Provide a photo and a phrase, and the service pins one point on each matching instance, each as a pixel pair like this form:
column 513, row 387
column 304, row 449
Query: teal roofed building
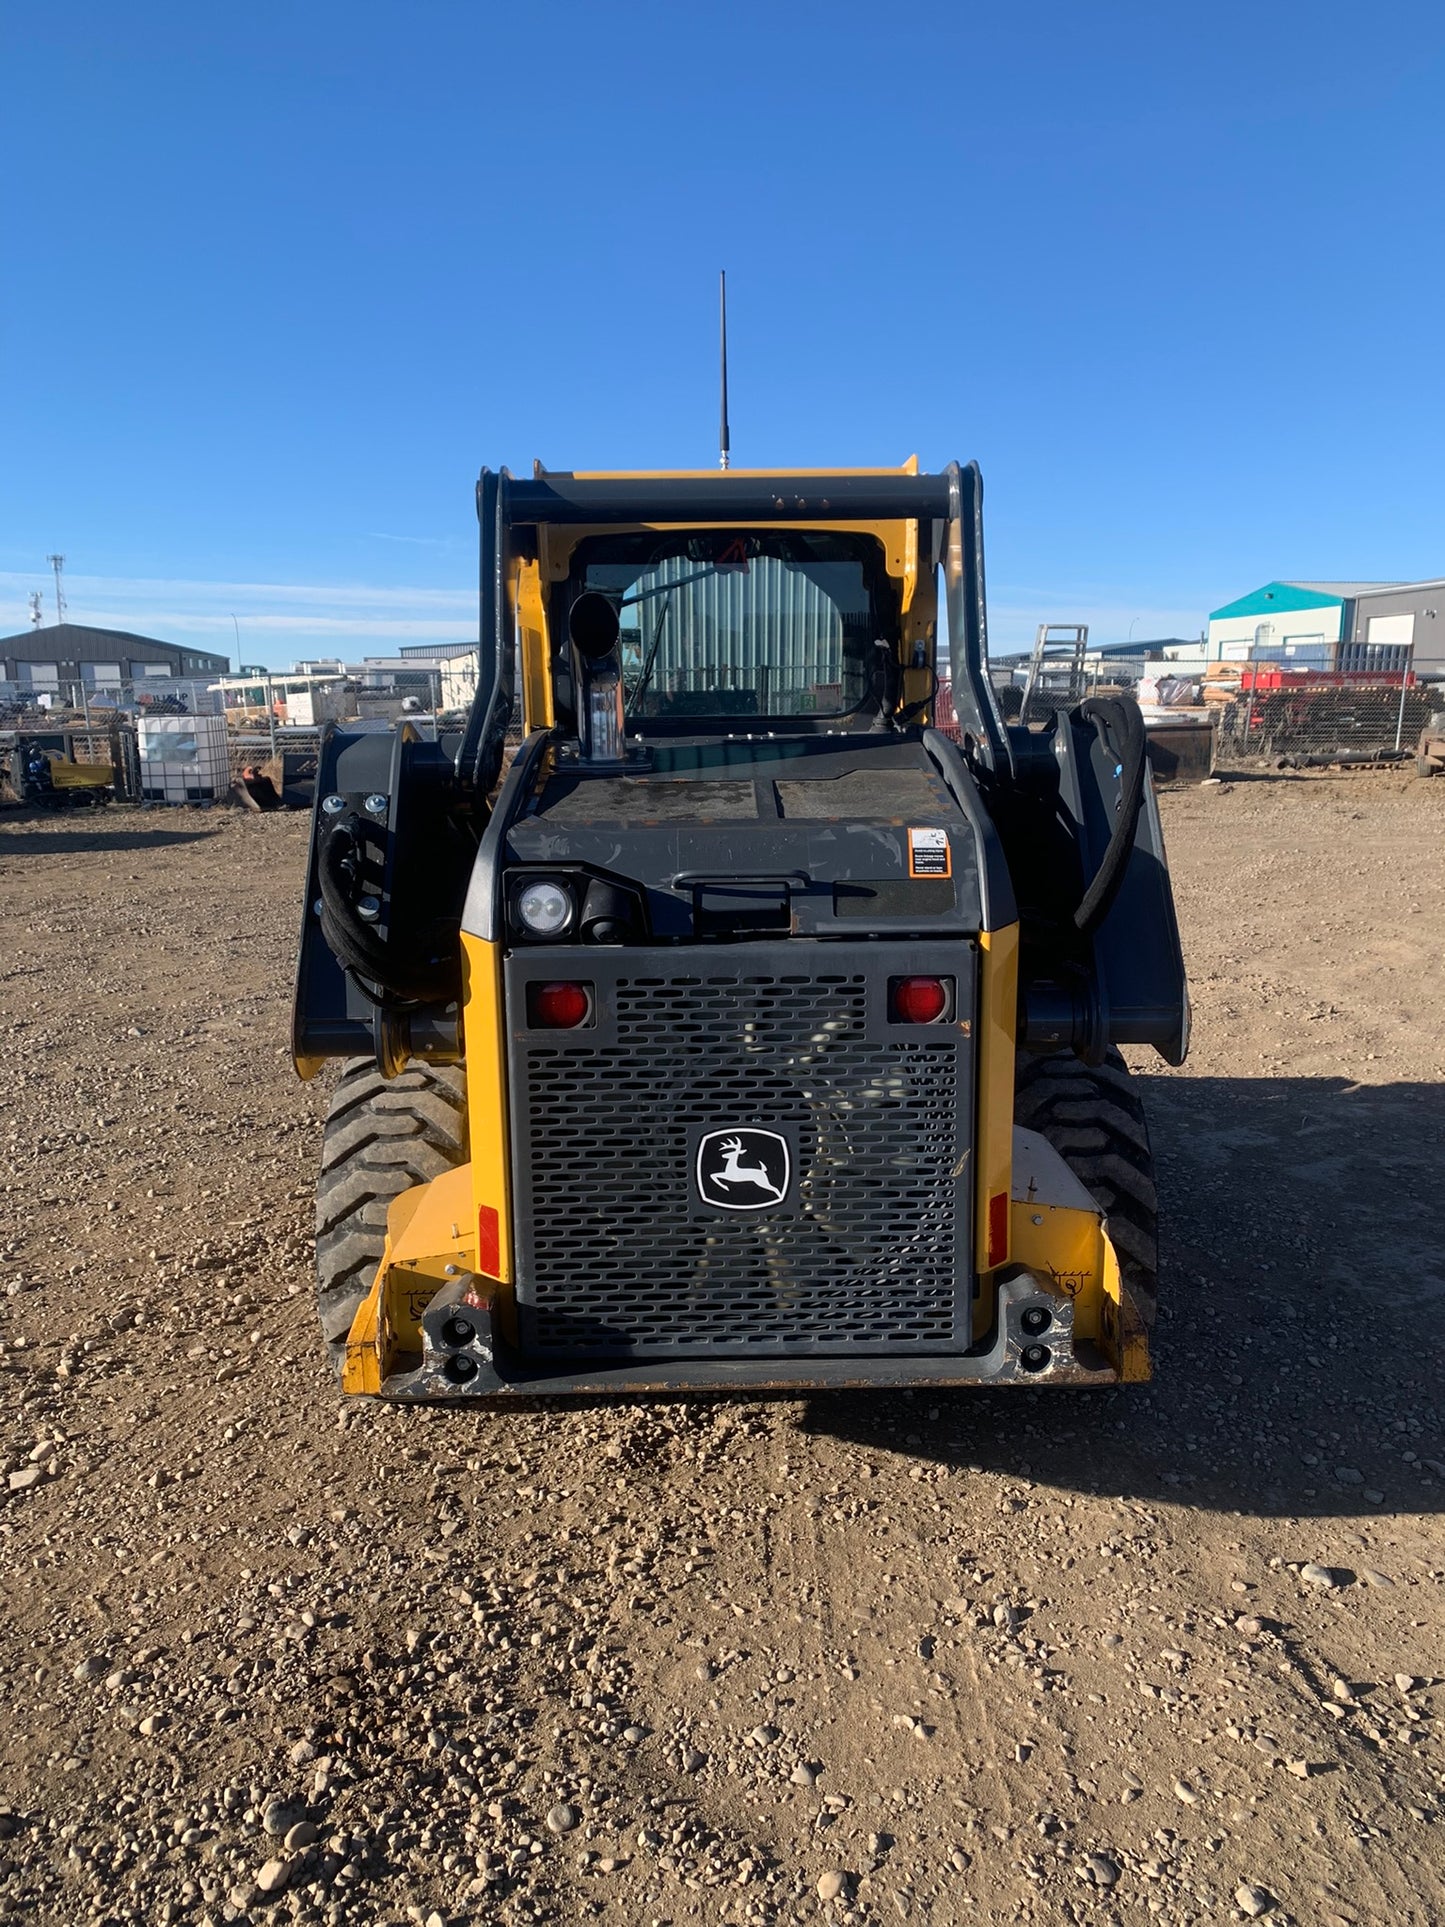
column 1333, row 625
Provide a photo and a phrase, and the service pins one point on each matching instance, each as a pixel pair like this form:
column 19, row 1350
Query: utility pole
column 57, row 562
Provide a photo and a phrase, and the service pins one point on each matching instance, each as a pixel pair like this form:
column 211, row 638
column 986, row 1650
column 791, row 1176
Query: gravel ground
column 1034, row 1656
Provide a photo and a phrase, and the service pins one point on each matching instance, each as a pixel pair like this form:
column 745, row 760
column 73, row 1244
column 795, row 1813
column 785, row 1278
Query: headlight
column 545, row 909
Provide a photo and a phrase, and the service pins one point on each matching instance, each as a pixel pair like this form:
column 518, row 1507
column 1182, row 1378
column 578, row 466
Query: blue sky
column 280, row 279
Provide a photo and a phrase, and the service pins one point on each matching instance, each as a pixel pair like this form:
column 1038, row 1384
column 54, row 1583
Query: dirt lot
column 987, row 1656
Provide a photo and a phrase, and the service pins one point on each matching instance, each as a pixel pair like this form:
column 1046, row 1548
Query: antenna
column 724, row 447
column 57, row 562
column 37, row 614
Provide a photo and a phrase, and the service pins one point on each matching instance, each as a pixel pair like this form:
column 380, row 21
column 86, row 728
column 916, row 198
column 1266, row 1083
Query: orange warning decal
column 929, row 854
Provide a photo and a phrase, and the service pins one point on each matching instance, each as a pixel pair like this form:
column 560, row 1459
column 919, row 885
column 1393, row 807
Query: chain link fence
column 192, row 740
column 1266, row 712
column 1036, row 707
column 1260, row 713
column 34, row 708
column 112, row 740
column 1024, row 697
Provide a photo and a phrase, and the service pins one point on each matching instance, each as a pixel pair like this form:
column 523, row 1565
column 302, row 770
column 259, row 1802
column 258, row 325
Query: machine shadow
column 30, row 836
column 1301, row 1322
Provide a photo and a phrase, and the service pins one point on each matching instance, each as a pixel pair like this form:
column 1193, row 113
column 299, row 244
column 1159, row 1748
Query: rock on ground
column 935, row 1657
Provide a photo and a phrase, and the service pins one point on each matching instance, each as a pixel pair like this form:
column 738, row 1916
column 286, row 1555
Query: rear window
column 728, row 623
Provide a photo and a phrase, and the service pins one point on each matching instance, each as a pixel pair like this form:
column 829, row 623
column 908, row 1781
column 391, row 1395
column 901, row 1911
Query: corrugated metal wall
column 730, row 626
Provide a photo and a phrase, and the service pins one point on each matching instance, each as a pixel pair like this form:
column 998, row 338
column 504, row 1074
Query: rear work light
column 919, row 1000
column 545, row 909
column 558, row 1006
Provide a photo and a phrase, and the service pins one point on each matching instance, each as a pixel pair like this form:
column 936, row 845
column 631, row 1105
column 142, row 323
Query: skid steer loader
column 748, row 1031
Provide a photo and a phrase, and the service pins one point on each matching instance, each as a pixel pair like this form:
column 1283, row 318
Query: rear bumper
column 434, row 1328
column 462, row 1359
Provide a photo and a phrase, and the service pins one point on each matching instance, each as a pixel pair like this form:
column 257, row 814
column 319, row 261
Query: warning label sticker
column 929, row 854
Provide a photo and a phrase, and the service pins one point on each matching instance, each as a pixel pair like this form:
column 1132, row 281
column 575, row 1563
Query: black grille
column 616, row 1256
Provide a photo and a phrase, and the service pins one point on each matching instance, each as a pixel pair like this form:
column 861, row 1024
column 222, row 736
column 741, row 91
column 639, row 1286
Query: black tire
column 382, row 1136
column 1093, row 1117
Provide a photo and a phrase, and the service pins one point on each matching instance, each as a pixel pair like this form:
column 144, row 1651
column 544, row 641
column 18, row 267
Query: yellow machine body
column 451, row 1243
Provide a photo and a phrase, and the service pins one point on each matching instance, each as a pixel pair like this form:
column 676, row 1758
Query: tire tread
column 1093, row 1117
column 381, row 1137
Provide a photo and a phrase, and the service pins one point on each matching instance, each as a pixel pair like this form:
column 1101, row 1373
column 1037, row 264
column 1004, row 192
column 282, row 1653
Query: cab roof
column 755, row 496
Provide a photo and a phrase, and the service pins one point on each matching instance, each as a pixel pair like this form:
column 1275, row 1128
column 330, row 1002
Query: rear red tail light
column 919, row 1000
column 558, row 1006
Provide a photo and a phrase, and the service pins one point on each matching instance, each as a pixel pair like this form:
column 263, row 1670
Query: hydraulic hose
column 399, row 972
column 1120, row 728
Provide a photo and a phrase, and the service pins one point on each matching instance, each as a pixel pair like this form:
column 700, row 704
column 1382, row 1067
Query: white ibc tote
column 183, row 759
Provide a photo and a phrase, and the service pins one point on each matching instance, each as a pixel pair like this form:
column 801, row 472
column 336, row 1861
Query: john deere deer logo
column 743, row 1170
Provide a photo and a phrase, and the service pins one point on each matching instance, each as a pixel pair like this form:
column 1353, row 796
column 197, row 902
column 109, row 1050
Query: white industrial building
column 459, row 665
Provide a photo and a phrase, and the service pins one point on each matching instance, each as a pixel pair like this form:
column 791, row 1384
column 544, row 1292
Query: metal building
column 1340, row 626
column 1403, row 615
column 70, row 657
